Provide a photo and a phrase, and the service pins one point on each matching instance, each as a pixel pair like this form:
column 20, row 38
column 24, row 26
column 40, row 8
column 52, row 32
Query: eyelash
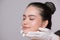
column 29, row 18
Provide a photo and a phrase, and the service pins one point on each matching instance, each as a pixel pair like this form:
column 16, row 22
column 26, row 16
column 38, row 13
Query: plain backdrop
column 11, row 12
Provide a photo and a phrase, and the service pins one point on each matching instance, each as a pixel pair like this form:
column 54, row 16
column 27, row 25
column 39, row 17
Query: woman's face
column 31, row 19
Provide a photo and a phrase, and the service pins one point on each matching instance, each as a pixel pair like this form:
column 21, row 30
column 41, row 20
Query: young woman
column 38, row 15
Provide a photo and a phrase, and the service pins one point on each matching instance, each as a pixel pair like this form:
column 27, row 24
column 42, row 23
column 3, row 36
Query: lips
column 24, row 27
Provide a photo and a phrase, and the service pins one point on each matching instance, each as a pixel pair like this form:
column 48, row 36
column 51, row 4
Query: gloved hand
column 42, row 34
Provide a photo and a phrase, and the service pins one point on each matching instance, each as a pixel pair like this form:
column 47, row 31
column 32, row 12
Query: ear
column 45, row 23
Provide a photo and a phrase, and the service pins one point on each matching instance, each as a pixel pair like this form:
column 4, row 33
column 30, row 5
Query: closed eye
column 31, row 18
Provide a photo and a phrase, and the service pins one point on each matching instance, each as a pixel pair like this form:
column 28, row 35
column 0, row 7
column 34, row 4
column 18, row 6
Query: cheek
column 35, row 25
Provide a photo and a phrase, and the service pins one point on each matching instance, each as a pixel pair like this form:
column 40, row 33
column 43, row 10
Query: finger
column 36, row 34
column 21, row 31
column 44, row 29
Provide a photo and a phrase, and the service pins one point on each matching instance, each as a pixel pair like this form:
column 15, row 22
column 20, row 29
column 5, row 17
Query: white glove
column 43, row 34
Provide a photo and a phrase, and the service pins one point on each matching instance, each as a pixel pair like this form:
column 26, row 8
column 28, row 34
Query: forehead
column 32, row 10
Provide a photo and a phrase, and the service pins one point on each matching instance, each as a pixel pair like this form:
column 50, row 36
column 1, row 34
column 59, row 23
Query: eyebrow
column 23, row 15
column 29, row 15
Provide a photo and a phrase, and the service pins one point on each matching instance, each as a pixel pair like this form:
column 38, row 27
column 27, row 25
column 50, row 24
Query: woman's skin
column 59, row 38
column 32, row 19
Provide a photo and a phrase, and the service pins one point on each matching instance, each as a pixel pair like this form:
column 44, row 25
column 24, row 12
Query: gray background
column 11, row 16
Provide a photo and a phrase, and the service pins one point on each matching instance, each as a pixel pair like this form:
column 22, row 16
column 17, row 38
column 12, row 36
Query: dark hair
column 58, row 33
column 48, row 9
